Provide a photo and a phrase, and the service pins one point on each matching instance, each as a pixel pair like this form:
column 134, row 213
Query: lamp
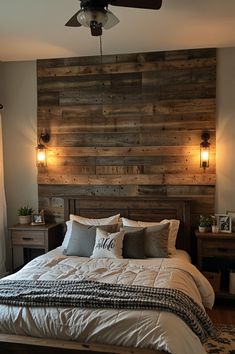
column 41, row 157
column 205, row 150
column 96, row 19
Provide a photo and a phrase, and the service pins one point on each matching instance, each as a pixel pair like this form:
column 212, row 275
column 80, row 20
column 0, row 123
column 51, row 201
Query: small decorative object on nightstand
column 224, row 222
column 205, row 223
column 25, row 215
column 38, row 219
column 44, row 237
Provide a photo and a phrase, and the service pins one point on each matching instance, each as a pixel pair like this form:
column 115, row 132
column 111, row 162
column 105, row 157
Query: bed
column 113, row 330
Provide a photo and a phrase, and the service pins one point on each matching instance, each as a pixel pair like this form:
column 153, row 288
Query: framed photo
column 38, row 219
column 224, row 222
column 231, row 213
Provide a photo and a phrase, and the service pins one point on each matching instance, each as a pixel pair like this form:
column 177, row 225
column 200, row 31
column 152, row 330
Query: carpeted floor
column 224, row 343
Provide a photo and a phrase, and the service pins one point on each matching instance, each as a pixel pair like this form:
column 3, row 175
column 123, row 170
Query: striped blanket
column 84, row 293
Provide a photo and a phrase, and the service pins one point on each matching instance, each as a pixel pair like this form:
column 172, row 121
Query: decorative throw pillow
column 156, row 241
column 108, row 245
column 174, row 227
column 96, row 222
column 133, row 243
column 82, row 238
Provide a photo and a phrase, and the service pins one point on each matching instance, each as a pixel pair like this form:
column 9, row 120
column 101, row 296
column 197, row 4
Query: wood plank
column 124, row 126
column 130, row 57
column 222, row 314
column 163, row 107
column 56, row 112
column 190, row 75
column 139, row 151
column 95, row 139
column 204, row 179
column 49, row 191
column 125, row 67
column 19, row 344
column 67, row 124
column 166, row 168
column 131, row 139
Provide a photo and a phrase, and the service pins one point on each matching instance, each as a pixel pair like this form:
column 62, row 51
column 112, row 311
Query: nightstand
column 217, row 250
column 28, row 237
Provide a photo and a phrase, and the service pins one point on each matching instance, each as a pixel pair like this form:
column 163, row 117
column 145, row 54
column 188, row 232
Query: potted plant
column 25, row 214
column 205, row 223
column 215, row 227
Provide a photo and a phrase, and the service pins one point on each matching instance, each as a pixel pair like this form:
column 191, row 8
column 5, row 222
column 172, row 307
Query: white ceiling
column 33, row 29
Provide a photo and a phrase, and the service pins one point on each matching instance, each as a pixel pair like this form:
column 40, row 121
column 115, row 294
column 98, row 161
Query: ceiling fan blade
column 140, row 4
column 73, row 22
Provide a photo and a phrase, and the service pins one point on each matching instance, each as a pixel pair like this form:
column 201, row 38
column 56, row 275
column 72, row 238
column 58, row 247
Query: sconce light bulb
column 205, row 151
column 41, row 159
column 205, row 156
column 41, row 156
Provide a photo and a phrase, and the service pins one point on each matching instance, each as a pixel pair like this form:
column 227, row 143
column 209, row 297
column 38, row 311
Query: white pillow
column 67, row 234
column 95, row 222
column 174, row 227
column 108, row 245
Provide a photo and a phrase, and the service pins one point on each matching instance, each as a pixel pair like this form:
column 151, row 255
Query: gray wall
column 18, row 94
column 225, row 142
column 19, row 97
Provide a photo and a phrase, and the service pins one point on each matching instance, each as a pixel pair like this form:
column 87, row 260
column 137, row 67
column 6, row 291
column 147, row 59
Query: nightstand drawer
column 218, row 248
column 24, row 238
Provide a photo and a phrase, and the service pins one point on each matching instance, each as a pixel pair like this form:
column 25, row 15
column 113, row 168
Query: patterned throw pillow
column 108, row 245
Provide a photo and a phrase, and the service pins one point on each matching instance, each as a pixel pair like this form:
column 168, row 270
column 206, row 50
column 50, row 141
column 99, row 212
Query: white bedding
column 142, row 328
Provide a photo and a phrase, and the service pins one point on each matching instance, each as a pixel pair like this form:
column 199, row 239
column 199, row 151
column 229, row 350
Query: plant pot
column 204, row 229
column 24, row 219
column 215, row 229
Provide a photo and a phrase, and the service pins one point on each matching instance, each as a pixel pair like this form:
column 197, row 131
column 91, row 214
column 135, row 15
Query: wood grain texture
column 154, row 208
column 131, row 126
column 14, row 344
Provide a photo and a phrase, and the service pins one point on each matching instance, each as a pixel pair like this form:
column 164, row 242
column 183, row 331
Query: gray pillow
column 133, row 243
column 156, row 240
column 82, row 239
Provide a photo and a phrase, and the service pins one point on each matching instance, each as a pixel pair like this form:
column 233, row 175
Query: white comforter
column 145, row 329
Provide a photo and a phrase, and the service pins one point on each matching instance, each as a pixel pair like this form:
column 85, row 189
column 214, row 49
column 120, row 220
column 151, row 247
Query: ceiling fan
column 95, row 13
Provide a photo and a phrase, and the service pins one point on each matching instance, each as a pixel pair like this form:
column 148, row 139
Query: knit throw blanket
column 84, row 293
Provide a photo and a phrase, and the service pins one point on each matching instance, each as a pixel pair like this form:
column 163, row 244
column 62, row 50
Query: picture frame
column 38, row 218
column 231, row 213
column 224, row 223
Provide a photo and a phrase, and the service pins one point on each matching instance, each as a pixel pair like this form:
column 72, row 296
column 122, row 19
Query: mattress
column 137, row 328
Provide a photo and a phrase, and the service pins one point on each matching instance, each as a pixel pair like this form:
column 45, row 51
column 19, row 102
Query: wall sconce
column 205, row 150
column 41, row 156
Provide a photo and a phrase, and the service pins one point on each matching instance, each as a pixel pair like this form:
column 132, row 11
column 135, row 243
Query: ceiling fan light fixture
column 87, row 17
column 95, row 13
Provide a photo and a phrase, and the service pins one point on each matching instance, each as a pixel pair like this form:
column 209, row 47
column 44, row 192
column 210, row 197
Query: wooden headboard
column 136, row 208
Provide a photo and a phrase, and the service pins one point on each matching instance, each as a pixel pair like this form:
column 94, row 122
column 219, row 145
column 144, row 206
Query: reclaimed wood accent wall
column 131, row 126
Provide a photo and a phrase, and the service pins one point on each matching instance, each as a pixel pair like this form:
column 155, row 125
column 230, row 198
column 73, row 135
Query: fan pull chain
column 101, row 51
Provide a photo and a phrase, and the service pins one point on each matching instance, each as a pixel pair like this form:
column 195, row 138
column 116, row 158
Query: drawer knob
column 27, row 238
